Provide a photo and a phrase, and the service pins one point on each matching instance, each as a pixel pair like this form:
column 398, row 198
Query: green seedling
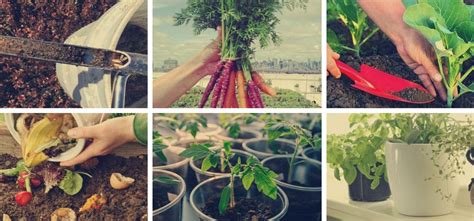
column 250, row 172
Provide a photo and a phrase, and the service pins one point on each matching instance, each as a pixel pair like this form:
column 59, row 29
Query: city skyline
column 300, row 42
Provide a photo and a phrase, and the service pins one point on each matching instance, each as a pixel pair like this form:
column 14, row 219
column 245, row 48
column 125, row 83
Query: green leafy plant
column 252, row 171
column 188, row 122
column 277, row 128
column 159, row 146
column 355, row 19
column 362, row 149
column 71, row 184
column 447, row 135
column 232, row 122
column 449, row 26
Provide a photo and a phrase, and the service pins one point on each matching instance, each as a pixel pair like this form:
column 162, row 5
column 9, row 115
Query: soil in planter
column 245, row 209
column 129, row 204
column 27, row 83
column 380, row 53
column 160, row 198
column 303, row 205
column 413, row 94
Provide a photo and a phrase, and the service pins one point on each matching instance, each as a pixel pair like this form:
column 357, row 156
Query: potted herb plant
column 424, row 156
column 168, row 192
column 203, row 157
column 248, row 192
column 304, row 187
column 359, row 157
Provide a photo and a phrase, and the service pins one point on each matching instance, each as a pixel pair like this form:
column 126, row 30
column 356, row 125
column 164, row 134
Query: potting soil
column 128, row 204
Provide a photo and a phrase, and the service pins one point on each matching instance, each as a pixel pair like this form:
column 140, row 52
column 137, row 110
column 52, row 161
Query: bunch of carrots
column 243, row 22
column 229, row 82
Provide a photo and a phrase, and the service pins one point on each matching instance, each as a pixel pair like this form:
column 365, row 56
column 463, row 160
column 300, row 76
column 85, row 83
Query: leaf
column 234, row 130
column 71, row 184
column 264, row 181
column 196, row 151
column 247, row 179
column 167, row 180
column 350, row 172
column 412, row 136
column 375, row 183
column 225, row 199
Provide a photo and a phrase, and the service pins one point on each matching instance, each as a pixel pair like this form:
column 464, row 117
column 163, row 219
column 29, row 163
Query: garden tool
column 123, row 64
column 381, row 84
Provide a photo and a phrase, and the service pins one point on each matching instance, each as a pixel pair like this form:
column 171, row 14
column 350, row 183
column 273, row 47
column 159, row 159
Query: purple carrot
column 229, row 65
column 255, row 94
column 217, row 90
column 212, row 82
column 252, row 98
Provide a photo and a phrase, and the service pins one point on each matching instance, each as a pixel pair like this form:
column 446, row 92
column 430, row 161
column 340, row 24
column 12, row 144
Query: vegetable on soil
column 452, row 37
column 243, row 24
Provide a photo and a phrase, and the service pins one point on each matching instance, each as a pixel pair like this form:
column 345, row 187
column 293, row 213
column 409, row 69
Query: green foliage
column 355, row 19
column 449, row 26
column 251, row 172
column 362, row 149
column 159, row 146
column 167, row 180
column 188, row 122
column 232, row 122
column 71, row 184
column 285, row 99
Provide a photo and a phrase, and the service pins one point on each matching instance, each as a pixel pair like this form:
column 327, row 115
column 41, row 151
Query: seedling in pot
column 361, row 30
column 159, row 146
column 452, row 39
column 303, row 138
column 233, row 123
column 252, row 171
column 187, row 122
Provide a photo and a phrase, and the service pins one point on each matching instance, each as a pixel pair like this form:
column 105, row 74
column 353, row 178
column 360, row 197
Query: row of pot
column 300, row 200
column 408, row 169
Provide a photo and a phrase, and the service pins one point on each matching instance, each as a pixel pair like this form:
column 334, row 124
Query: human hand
column 418, row 54
column 106, row 137
column 208, row 58
column 331, row 58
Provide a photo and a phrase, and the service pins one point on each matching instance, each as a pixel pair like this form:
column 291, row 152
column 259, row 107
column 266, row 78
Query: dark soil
column 245, row 209
column 413, row 94
column 129, row 204
column 160, row 197
column 25, row 83
column 303, row 206
column 380, row 53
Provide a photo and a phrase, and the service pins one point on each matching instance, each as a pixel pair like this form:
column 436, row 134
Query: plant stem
column 292, row 162
column 232, row 196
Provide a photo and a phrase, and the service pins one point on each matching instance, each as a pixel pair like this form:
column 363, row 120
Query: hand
column 331, row 61
column 208, row 58
column 106, row 137
column 418, row 54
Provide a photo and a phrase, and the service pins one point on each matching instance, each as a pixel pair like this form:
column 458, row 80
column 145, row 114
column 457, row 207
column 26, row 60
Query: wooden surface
column 10, row 146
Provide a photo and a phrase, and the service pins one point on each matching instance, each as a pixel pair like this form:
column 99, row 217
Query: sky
column 300, row 31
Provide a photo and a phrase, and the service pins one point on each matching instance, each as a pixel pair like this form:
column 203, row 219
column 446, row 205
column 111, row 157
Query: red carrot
column 254, row 94
column 242, row 95
column 251, row 96
column 217, row 91
column 257, row 78
column 226, row 73
column 212, row 82
column 230, row 95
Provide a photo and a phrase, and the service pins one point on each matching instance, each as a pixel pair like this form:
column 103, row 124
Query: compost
column 245, row 209
column 128, row 204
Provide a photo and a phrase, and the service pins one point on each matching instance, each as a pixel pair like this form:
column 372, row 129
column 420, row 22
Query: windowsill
column 341, row 208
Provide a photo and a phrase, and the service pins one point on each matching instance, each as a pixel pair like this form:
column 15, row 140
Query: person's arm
column 171, row 86
column 413, row 48
column 106, row 136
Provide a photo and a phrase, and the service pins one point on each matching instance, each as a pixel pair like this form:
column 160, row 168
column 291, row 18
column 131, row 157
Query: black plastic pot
column 304, row 193
column 262, row 149
column 360, row 190
column 312, row 154
column 173, row 192
column 211, row 189
column 201, row 176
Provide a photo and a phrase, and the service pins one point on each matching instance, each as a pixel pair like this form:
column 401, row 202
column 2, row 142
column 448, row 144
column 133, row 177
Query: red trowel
column 381, row 84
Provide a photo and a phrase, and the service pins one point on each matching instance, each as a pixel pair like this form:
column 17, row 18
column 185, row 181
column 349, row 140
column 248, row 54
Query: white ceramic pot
column 81, row 120
column 408, row 168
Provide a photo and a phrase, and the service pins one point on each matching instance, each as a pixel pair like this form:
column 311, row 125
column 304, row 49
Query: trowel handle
column 351, row 73
column 119, row 89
